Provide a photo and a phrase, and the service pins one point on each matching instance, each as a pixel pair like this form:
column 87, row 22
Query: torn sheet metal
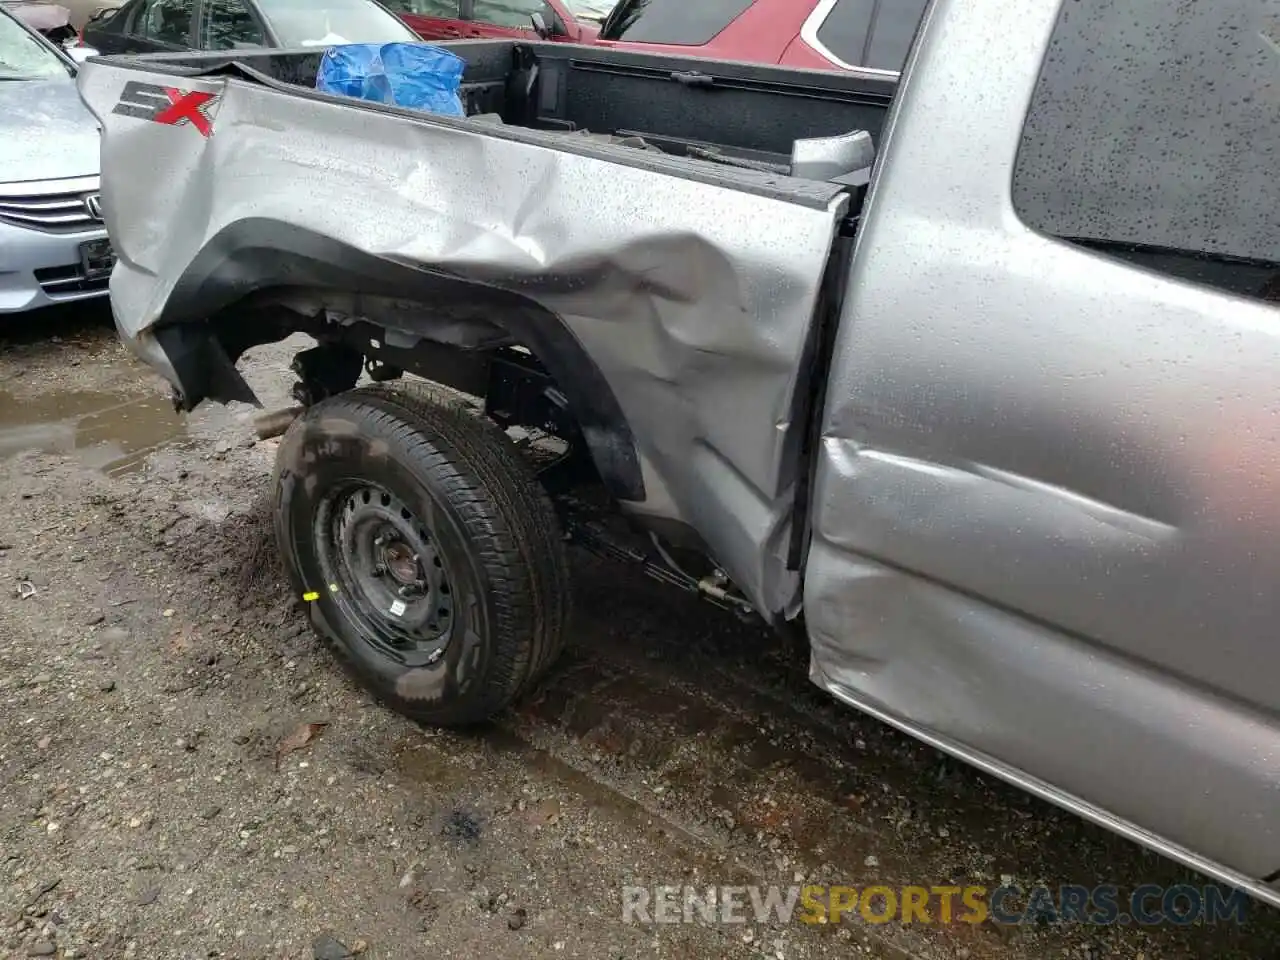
column 691, row 286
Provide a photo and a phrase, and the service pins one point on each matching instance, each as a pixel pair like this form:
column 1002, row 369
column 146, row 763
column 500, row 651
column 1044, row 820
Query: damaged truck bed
column 650, row 284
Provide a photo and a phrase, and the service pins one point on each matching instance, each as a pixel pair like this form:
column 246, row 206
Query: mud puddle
column 111, row 431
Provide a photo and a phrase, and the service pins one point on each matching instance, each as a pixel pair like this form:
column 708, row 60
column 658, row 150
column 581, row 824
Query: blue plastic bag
column 415, row 75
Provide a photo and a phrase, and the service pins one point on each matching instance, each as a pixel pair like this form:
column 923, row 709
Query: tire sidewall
column 336, row 445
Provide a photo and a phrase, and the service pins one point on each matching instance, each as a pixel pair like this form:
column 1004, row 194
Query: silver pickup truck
column 994, row 424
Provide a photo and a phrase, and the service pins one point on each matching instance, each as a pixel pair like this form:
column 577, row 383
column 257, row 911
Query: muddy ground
column 152, row 662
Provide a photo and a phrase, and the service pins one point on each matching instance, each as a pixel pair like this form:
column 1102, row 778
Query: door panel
column 1047, row 513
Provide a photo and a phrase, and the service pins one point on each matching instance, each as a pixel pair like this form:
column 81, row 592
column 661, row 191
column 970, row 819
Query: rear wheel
column 427, row 553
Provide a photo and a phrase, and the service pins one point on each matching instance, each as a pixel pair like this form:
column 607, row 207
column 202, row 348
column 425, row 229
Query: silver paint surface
column 691, row 290
column 45, row 131
column 1047, row 515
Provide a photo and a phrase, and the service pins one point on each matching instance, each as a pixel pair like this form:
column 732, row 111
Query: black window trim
column 809, row 34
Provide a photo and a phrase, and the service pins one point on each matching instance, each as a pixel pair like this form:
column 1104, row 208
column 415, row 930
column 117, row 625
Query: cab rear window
column 680, row 22
column 1153, row 133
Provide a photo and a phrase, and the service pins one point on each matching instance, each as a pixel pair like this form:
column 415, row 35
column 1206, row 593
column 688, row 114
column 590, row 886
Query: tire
column 429, row 557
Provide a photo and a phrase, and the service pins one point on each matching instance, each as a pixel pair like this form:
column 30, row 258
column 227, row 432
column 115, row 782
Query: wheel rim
column 388, row 571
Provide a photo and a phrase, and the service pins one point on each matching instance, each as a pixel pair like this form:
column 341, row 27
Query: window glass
column 509, row 13
column 443, row 9
column 230, row 25
column 1154, row 131
column 893, row 32
column 683, row 22
column 23, row 57
column 166, row 21
column 593, row 10
column 311, row 23
column 844, row 32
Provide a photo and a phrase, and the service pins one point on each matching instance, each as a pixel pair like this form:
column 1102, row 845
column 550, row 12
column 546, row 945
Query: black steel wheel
column 389, row 571
column 426, row 552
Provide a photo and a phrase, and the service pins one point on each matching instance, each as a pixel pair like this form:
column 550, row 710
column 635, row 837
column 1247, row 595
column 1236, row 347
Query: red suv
column 869, row 35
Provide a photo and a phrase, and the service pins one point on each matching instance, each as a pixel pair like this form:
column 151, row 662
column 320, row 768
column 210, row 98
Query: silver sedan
column 53, row 243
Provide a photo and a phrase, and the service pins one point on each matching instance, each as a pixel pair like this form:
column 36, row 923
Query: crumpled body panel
column 692, row 288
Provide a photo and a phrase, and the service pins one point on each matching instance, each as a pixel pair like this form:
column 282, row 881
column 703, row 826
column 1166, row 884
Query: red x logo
column 186, row 108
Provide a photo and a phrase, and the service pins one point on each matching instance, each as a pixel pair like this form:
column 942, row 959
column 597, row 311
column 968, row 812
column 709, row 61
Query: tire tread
column 508, row 520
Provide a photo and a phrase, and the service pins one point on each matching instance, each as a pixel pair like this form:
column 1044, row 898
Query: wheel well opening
column 520, row 360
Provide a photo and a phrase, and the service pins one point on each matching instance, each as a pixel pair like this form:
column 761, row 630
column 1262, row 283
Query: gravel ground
column 185, row 773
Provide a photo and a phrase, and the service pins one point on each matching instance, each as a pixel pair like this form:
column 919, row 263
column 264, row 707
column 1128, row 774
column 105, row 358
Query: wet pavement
column 673, row 744
column 111, row 428
column 109, row 431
